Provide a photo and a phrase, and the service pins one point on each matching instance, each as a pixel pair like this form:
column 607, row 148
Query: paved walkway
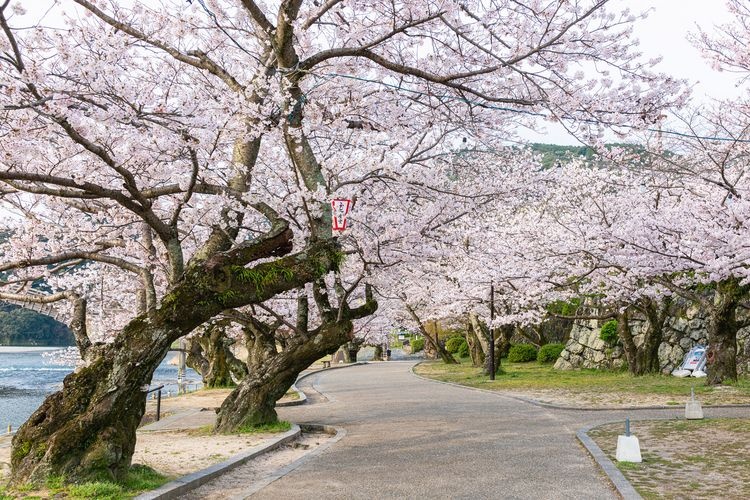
column 412, row 438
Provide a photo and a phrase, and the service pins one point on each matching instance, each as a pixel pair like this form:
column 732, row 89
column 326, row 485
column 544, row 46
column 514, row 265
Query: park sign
column 340, row 208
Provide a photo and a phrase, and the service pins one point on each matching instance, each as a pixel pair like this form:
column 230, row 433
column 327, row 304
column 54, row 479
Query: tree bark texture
column 722, row 332
column 210, row 354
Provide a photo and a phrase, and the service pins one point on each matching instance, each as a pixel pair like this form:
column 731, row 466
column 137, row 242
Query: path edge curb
column 184, row 484
column 315, row 372
column 617, row 478
column 338, row 434
column 563, row 407
column 302, row 398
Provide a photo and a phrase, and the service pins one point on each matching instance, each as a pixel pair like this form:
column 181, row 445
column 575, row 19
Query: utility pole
column 492, row 331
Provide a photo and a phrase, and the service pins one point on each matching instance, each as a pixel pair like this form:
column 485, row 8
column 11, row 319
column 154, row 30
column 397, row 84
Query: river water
column 27, row 376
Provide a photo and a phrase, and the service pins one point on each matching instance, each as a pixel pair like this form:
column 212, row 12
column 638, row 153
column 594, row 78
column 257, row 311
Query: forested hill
column 552, row 154
column 22, row 327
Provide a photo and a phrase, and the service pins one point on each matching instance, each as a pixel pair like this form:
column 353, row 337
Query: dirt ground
column 236, row 483
column 178, row 453
column 700, row 459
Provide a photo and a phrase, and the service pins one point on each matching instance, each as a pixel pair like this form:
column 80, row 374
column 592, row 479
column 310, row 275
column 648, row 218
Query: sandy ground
column 705, row 459
column 237, row 482
column 178, row 453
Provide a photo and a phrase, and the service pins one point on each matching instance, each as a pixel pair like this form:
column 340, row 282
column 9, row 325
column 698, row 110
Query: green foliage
column 522, row 353
column 98, row 489
column 263, row 275
column 463, row 351
column 19, row 326
column 417, row 345
column 564, row 308
column 554, row 155
column 453, row 344
column 278, row 426
column 549, row 353
column 608, row 332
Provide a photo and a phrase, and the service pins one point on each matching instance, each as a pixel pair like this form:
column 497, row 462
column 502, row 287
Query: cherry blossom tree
column 192, row 151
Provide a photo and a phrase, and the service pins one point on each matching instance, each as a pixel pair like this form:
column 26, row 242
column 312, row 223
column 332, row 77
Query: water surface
column 27, row 377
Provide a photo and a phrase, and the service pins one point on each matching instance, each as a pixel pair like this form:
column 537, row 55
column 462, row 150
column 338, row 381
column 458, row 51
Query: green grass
column 534, row 376
column 279, row 426
column 140, row 478
column 291, row 394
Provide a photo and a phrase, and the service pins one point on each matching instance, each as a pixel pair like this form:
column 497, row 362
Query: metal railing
column 157, row 390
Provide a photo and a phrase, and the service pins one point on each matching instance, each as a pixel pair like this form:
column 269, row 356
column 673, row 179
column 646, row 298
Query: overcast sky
column 664, row 34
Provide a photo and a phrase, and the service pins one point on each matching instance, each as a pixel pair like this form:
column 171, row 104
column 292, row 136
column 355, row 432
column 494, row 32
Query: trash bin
column 387, row 354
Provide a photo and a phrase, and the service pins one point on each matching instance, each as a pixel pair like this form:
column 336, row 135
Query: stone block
column 693, row 410
column 628, row 449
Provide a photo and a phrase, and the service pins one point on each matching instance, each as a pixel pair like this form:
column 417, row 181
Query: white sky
column 664, row 34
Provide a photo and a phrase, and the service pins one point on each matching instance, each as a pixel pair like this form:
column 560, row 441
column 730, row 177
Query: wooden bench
column 326, row 364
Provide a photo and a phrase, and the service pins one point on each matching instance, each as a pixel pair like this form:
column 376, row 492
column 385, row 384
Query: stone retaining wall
column 681, row 332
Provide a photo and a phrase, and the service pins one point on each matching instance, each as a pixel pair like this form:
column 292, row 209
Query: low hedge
column 454, row 344
column 463, row 351
column 522, row 353
column 549, row 353
column 417, row 345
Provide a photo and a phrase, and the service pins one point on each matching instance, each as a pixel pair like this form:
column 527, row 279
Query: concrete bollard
column 693, row 408
column 628, row 447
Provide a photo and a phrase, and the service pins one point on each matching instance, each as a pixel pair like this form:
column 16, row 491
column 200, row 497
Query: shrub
column 608, row 332
column 521, row 353
column 463, row 351
column 417, row 345
column 453, row 344
column 549, row 353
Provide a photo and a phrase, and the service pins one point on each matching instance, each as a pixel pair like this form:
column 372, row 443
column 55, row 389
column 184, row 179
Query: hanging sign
column 340, row 208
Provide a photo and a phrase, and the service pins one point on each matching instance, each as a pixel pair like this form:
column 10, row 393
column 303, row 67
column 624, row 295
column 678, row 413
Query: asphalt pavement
column 412, row 438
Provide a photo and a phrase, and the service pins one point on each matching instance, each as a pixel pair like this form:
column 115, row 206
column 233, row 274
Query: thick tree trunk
column 475, row 348
column 644, row 359
column 656, row 314
column 628, row 343
column 210, row 354
column 722, row 333
column 483, row 336
column 272, row 373
column 88, row 428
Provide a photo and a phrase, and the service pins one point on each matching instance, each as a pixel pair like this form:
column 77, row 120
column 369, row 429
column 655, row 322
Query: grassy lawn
column 589, row 387
column 686, row 459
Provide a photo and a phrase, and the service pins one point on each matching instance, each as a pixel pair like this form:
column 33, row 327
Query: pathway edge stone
column 180, row 486
column 302, row 398
column 338, row 434
column 347, row 365
column 617, row 478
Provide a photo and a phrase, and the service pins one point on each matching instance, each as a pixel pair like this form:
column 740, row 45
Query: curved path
column 409, row 438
